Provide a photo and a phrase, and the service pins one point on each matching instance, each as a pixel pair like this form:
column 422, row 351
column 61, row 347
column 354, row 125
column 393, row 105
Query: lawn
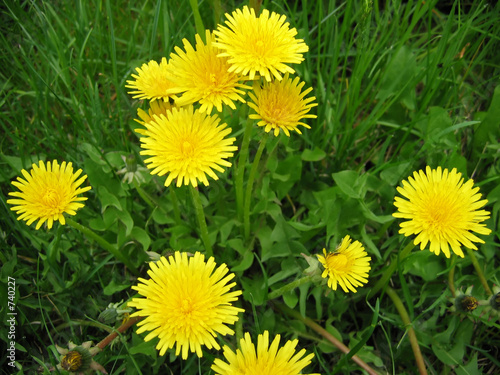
column 360, row 223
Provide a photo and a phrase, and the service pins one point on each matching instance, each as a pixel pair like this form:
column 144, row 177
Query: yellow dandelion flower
column 202, row 76
column 266, row 360
column 186, row 303
column 152, row 82
column 47, row 192
column 280, row 105
column 347, row 266
column 187, row 145
column 259, row 45
column 442, row 210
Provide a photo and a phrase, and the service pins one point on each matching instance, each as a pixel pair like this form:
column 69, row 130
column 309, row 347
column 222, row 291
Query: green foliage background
column 399, row 85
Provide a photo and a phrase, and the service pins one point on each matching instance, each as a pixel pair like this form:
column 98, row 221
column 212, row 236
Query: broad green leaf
column 315, row 154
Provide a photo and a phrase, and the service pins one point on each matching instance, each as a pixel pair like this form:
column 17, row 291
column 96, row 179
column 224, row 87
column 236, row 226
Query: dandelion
column 186, row 303
column 47, row 192
column 78, row 359
column 187, row 145
column 347, row 266
column 280, row 105
column 266, row 360
column 203, row 77
column 442, row 210
column 259, row 45
column 151, row 83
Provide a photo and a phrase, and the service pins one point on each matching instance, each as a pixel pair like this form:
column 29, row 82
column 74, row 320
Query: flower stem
column 200, row 214
column 323, row 332
column 411, row 332
column 251, row 178
column 291, row 286
column 107, row 340
column 105, row 244
column 451, row 276
column 240, row 170
column 479, row 271
column 390, row 270
column 145, row 197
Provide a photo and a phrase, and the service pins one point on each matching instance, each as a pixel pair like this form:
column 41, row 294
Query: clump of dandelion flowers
column 203, row 77
column 151, row 82
column 266, row 360
column 259, row 45
column 347, row 266
column 47, row 192
column 441, row 210
column 280, row 105
column 186, row 303
column 187, row 145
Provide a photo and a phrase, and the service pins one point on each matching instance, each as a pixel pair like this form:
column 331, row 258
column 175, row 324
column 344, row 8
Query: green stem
column 105, row 244
column 200, row 214
column 411, row 332
column 251, row 178
column 479, row 271
column 323, row 332
column 198, row 22
column 390, row 270
column 451, row 276
column 291, row 286
column 145, row 197
column 240, row 169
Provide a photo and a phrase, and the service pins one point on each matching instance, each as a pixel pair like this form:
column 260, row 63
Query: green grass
column 399, row 86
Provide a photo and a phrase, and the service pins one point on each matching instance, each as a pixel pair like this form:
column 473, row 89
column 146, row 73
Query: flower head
column 347, row 266
column 266, row 360
column 77, row 359
column 151, row 83
column 259, row 45
column 47, row 192
column 280, row 105
column 464, row 301
column 186, row 303
column 442, row 210
column 202, row 76
column 187, row 145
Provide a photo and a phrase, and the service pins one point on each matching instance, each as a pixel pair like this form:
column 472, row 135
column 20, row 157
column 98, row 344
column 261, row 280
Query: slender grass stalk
column 479, row 271
column 390, row 270
column 200, row 28
column 291, row 286
column 251, row 178
column 240, row 169
column 411, row 332
column 323, row 332
column 200, row 215
column 105, row 244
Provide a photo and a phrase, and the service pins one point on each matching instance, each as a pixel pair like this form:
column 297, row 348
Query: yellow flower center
column 51, row 198
column 440, row 213
column 186, row 308
column 187, row 149
column 259, row 46
column 213, row 79
column 72, row 361
column 337, row 262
